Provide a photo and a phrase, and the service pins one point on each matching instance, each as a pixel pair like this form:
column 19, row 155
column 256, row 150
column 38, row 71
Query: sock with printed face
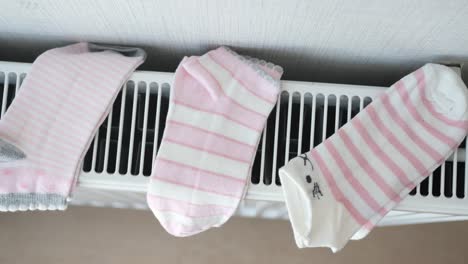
column 218, row 108
column 50, row 123
column 344, row 186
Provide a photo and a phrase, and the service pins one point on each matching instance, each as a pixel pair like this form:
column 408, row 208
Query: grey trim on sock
column 9, row 152
column 126, row 51
column 32, row 201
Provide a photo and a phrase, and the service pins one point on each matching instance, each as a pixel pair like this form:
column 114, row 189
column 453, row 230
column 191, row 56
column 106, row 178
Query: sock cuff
column 193, row 67
column 249, row 73
column 12, row 202
column 108, row 60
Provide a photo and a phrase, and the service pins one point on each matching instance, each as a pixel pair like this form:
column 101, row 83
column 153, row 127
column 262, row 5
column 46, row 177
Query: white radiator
column 119, row 161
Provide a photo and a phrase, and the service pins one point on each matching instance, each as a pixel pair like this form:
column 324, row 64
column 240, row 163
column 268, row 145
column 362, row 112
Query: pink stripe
column 53, row 153
column 61, row 145
column 421, row 84
column 110, row 64
column 104, row 65
column 86, row 106
column 159, row 203
column 113, row 62
column 241, row 108
column 382, row 155
column 229, row 100
column 182, row 165
column 243, row 74
column 71, row 49
column 43, row 160
column 205, row 181
column 107, row 62
column 69, row 71
column 215, row 153
column 199, row 73
column 402, row 91
column 89, row 70
column 116, row 62
column 163, row 208
column 368, row 226
column 178, row 229
column 371, row 172
column 45, row 144
column 43, row 156
column 86, row 109
column 46, row 87
column 94, row 74
column 35, row 120
column 411, row 134
column 225, row 116
column 59, row 101
column 211, row 143
column 54, row 163
column 32, row 180
column 197, row 210
column 97, row 89
column 37, row 127
column 211, row 133
column 387, row 133
column 337, row 193
column 196, row 96
column 192, row 186
column 79, row 47
column 94, row 85
column 348, row 175
column 80, row 66
column 193, row 205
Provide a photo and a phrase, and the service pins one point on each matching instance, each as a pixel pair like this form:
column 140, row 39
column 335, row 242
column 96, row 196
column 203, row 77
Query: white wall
column 367, row 42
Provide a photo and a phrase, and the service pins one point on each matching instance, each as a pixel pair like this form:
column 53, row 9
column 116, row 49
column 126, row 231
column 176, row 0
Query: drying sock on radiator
column 50, row 124
column 218, row 108
column 343, row 187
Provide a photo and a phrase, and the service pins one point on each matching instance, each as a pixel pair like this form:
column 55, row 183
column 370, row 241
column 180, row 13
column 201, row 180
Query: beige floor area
column 96, row 235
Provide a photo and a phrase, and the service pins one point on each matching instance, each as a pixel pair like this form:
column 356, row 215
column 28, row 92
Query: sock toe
column 446, row 91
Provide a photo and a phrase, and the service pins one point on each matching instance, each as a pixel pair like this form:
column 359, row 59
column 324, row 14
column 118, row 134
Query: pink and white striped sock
column 219, row 105
column 49, row 126
column 343, row 187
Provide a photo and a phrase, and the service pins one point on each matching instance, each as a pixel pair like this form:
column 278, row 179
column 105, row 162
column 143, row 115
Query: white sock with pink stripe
column 49, row 126
column 343, row 187
column 219, row 105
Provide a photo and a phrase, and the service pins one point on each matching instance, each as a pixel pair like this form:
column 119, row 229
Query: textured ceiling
column 365, row 42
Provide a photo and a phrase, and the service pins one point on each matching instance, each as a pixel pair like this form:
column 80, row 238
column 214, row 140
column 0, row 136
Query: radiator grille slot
column 304, row 121
column 124, row 143
column 305, row 115
column 448, row 180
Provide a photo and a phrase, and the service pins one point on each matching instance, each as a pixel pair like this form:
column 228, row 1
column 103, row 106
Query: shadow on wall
column 333, row 66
